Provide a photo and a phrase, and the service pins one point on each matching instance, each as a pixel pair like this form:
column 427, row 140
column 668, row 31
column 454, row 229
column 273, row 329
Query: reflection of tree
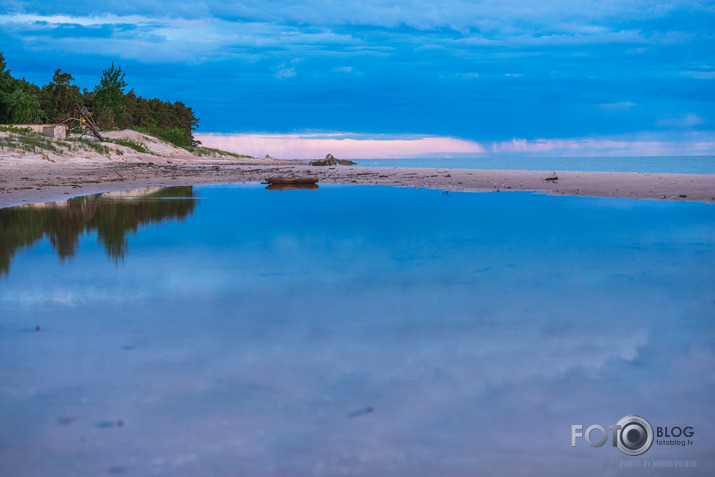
column 110, row 215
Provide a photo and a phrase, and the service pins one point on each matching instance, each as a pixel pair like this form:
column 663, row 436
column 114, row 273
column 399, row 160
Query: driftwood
column 292, row 180
column 85, row 119
column 330, row 160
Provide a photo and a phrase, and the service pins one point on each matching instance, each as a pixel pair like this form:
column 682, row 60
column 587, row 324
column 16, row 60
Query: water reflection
column 292, row 187
column 370, row 331
column 112, row 215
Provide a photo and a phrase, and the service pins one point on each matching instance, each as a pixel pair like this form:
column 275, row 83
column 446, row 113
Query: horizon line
column 350, row 145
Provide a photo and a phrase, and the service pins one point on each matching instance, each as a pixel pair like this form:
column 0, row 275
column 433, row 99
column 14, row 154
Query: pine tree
column 109, row 99
column 61, row 97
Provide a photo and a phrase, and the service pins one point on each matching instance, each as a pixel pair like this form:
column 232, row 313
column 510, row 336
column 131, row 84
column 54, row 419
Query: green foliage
column 130, row 144
column 90, row 145
column 35, row 143
column 172, row 122
column 61, row 97
column 109, row 100
column 24, row 108
column 19, row 99
column 111, row 105
column 16, row 130
column 7, row 86
column 210, row 151
column 174, row 136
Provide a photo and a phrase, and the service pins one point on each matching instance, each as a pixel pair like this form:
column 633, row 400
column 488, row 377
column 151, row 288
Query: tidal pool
column 352, row 330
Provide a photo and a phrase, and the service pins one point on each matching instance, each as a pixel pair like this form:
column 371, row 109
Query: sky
column 411, row 77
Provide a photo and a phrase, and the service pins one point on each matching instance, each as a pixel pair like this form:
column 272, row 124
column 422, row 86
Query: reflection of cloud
column 66, row 297
column 257, row 337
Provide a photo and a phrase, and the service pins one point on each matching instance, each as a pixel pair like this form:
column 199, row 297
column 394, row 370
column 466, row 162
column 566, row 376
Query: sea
column 231, row 330
column 654, row 164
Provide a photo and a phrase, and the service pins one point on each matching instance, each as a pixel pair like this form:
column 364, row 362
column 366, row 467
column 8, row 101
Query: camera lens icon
column 635, row 435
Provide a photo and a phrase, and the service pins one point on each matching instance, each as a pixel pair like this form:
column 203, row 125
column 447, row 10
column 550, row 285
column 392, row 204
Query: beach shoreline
column 43, row 177
column 31, row 181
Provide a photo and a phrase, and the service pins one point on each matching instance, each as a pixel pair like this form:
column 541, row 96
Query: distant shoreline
column 42, row 177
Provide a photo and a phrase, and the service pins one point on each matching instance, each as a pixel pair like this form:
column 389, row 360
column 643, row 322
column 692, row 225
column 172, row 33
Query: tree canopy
column 112, row 105
column 60, row 97
column 109, row 97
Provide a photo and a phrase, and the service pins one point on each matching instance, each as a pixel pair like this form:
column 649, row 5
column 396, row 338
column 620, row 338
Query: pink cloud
column 354, row 146
column 313, row 146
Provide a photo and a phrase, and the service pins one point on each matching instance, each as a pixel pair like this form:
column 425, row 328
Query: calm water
column 351, row 330
column 661, row 164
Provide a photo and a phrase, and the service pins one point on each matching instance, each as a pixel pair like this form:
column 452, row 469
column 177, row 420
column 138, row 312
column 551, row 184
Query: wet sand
column 32, row 178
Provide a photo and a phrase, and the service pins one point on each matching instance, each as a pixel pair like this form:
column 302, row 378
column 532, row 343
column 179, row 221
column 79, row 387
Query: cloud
column 579, row 16
column 684, row 121
column 487, row 71
column 163, row 38
column 618, row 106
column 313, row 146
column 288, row 27
column 605, row 147
column 703, row 75
column 353, row 146
column 286, row 70
column 42, row 21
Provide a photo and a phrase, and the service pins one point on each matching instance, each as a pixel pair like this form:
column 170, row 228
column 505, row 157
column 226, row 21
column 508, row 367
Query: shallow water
column 356, row 330
column 653, row 164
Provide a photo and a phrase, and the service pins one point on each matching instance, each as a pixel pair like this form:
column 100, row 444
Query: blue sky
column 492, row 72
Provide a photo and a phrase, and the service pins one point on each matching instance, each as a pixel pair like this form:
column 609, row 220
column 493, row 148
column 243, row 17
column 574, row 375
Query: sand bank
column 28, row 178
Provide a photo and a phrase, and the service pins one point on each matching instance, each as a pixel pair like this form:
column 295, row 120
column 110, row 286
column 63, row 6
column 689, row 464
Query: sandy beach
column 40, row 177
